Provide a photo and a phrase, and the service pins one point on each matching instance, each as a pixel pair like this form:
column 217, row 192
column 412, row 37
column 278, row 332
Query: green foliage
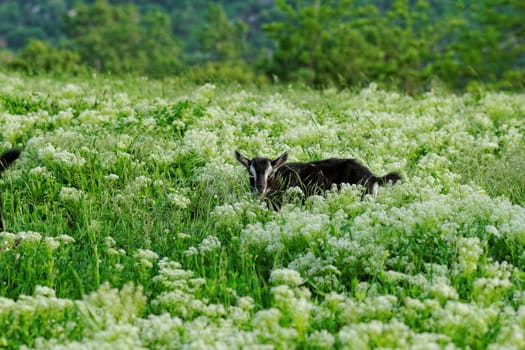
column 118, row 39
column 21, row 21
column 499, row 174
column 224, row 72
column 162, row 53
column 220, row 39
column 38, row 57
column 322, row 42
column 303, row 37
column 410, row 45
column 22, row 106
column 223, row 46
column 481, row 46
column 43, row 316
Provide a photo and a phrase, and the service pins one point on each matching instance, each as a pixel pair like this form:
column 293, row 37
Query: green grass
column 129, row 222
column 499, row 174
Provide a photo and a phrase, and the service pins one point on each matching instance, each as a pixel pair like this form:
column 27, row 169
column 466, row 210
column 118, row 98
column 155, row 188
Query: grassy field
column 129, row 223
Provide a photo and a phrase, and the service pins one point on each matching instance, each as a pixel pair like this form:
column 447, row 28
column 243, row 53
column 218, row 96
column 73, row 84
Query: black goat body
column 6, row 159
column 271, row 178
column 323, row 174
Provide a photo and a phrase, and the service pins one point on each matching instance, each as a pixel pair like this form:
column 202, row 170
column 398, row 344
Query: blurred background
column 412, row 45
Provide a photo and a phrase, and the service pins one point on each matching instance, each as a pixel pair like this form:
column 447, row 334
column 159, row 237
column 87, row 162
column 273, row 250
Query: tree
column 505, row 41
column 483, row 42
column 334, row 41
column 303, row 36
column 159, row 45
column 39, row 57
column 220, row 39
column 118, row 39
column 21, row 21
column 105, row 36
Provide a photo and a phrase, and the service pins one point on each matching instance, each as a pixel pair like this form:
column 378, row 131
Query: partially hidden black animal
column 6, row 159
column 270, row 178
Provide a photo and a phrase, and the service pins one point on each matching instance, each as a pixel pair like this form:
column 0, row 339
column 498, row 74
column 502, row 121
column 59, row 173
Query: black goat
column 270, row 178
column 6, row 159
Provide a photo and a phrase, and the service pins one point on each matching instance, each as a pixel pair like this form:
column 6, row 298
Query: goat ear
column 280, row 161
column 242, row 159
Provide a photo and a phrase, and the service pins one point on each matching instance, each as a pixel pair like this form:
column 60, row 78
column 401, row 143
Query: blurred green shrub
column 39, row 57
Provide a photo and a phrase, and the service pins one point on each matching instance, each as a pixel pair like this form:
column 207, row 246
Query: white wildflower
column 178, row 200
column 65, row 239
column 51, row 243
column 30, row 236
column 204, row 93
column 491, row 229
column 60, row 156
column 183, row 235
column 321, row 340
column 44, row 291
column 288, row 277
column 146, row 257
column 41, row 171
column 209, row 244
column 70, row 194
column 191, row 251
column 111, row 177
column 469, row 252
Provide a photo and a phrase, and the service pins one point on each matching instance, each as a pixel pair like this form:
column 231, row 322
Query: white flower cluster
column 209, row 244
column 60, row 157
column 110, row 245
column 31, row 240
column 288, row 277
column 145, row 257
column 178, row 200
column 293, row 227
column 469, row 252
column 321, row 273
column 204, row 93
column 70, row 194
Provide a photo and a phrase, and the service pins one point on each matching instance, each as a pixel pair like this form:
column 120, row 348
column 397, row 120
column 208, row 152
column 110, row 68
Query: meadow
column 130, row 225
